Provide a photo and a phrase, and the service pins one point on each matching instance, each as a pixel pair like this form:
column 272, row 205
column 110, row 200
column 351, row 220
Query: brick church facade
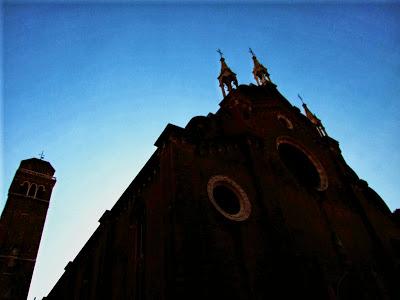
column 254, row 201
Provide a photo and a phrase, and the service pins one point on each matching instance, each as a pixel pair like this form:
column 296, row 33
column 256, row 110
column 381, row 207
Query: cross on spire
column 251, row 52
column 41, row 155
column 301, row 99
column 220, row 52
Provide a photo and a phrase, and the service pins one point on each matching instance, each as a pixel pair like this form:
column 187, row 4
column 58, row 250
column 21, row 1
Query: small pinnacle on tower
column 260, row 72
column 226, row 76
column 313, row 118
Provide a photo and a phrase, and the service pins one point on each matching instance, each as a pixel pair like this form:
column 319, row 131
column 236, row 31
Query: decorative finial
column 313, row 118
column 301, row 99
column 41, row 155
column 260, row 72
column 226, row 77
column 251, row 52
column 220, row 53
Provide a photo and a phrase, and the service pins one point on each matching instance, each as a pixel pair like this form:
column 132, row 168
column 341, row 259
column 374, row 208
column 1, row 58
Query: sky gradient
column 93, row 86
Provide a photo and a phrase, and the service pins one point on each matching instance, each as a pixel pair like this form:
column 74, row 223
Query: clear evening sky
column 93, row 85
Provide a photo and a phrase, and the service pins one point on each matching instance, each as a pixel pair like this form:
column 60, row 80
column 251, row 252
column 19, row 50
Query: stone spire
column 314, row 119
column 226, row 77
column 260, row 72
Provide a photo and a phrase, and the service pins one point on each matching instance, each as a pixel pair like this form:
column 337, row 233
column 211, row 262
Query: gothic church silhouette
column 254, row 201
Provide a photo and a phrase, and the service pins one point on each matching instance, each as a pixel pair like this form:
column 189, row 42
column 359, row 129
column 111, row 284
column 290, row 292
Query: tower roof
column 37, row 165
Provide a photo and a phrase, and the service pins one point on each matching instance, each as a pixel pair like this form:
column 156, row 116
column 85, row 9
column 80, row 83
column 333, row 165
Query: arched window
column 32, row 190
column 23, row 188
column 40, row 192
column 285, row 122
column 307, row 170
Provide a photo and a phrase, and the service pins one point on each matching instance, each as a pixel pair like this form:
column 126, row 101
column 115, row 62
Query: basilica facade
column 254, row 201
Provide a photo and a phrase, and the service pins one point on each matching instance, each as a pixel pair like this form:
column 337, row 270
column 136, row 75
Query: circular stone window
column 306, row 169
column 228, row 198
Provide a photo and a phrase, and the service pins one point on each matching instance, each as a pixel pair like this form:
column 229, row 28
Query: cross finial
column 41, row 155
column 220, row 52
column 301, row 99
column 251, row 52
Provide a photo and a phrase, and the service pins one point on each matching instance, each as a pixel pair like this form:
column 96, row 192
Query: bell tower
column 21, row 226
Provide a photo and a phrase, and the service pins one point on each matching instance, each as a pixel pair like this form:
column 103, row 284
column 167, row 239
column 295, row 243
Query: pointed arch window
column 32, row 190
column 40, row 193
column 285, row 121
column 24, row 188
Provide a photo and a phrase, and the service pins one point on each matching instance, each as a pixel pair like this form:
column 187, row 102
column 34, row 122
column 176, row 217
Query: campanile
column 21, row 226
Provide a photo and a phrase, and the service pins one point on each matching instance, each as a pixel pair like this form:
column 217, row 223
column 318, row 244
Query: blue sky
column 93, row 85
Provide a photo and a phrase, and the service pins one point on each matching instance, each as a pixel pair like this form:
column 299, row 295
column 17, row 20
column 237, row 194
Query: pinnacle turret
column 260, row 72
column 226, row 76
column 313, row 118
